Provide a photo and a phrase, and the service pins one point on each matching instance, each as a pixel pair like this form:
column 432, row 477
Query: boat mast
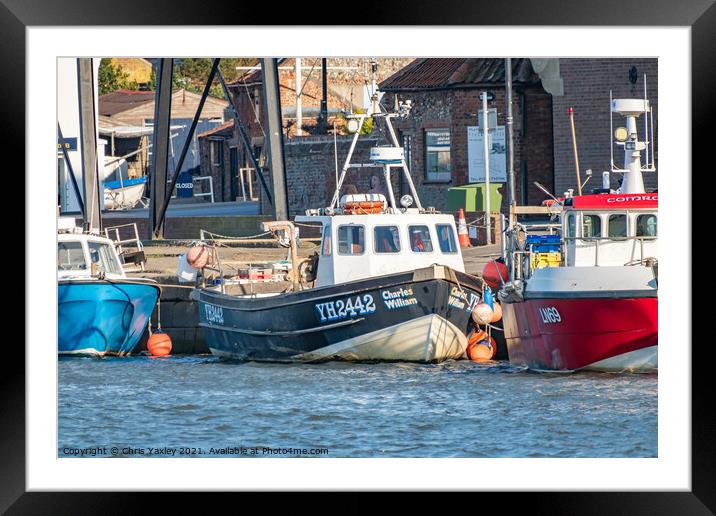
column 631, row 109
column 374, row 111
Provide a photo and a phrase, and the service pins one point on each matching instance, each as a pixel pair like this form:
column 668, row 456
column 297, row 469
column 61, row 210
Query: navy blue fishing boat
column 388, row 284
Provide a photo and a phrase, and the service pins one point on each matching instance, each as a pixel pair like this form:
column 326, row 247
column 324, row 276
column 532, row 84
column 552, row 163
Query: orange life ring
column 357, row 208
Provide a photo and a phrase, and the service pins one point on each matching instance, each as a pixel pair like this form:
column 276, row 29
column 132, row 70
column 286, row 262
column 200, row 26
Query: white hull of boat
column 123, row 198
column 426, row 339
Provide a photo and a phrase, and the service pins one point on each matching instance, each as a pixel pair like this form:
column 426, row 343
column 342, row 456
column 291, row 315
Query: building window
column 386, row 239
column 437, row 155
column 351, row 240
column 217, row 156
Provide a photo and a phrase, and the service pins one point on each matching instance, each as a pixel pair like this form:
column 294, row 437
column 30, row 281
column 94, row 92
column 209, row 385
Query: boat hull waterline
column 414, row 317
column 569, row 334
column 103, row 317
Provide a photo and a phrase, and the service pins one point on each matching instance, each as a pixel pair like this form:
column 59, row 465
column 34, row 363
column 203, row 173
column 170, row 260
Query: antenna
column 611, row 129
column 646, row 126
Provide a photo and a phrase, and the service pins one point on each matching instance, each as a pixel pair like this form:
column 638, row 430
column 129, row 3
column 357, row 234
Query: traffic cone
column 462, row 235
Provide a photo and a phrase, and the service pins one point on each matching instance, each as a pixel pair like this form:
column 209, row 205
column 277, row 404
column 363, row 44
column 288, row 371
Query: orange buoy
column 482, row 351
column 496, row 312
column 159, row 344
column 482, row 313
column 492, row 272
column 197, row 257
column 476, row 336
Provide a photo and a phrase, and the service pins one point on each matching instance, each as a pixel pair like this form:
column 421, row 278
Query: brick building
column 309, row 159
column 445, row 93
column 445, row 97
column 586, row 88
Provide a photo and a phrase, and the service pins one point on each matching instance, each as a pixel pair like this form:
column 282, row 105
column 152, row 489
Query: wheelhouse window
column 446, row 238
column 617, row 226
column 102, row 255
column 437, row 155
column 420, row 241
column 646, row 225
column 386, row 239
column 351, row 240
column 70, row 256
column 327, row 241
column 571, row 228
column 591, row 226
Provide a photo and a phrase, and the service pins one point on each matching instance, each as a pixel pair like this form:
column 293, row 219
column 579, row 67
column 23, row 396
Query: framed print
column 567, row 443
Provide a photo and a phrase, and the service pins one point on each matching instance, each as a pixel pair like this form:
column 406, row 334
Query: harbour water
column 199, row 406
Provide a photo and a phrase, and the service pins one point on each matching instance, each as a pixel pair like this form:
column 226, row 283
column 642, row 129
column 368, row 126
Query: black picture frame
column 700, row 15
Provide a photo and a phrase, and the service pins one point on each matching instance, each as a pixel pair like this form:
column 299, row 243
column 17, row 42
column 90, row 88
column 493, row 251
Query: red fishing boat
column 585, row 296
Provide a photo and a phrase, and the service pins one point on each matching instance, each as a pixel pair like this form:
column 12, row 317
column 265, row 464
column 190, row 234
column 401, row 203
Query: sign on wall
column 476, row 160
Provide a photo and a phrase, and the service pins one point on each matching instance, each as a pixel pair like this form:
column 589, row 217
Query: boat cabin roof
column 601, row 202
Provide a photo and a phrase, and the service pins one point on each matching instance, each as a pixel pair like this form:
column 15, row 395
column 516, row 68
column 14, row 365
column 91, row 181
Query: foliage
column 112, row 78
column 192, row 73
column 367, row 124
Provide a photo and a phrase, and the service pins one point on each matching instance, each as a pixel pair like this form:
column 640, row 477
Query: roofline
column 515, row 85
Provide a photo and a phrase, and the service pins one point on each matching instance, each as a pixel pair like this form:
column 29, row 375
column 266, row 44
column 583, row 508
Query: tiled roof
column 255, row 76
column 444, row 73
column 123, row 100
column 225, row 129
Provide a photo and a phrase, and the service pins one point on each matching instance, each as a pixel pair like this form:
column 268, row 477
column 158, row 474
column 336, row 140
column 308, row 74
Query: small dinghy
column 124, row 194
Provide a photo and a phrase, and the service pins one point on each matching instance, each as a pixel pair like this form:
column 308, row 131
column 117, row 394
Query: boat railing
column 599, row 241
column 521, row 258
column 130, row 250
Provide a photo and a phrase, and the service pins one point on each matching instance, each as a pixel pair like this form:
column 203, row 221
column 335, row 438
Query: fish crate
column 543, row 243
column 255, row 273
column 541, row 260
column 260, row 273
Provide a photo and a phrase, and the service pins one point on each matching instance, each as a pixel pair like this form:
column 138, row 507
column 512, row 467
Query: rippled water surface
column 163, row 406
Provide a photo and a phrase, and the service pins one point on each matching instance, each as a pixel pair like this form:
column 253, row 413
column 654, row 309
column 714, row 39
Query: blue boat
column 100, row 310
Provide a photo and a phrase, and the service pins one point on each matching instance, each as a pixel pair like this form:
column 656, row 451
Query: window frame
column 428, row 177
column 111, row 260
column 83, row 251
column 397, row 233
column 327, row 236
column 410, row 245
column 609, row 226
column 581, row 224
column 636, row 225
column 338, row 239
column 452, row 234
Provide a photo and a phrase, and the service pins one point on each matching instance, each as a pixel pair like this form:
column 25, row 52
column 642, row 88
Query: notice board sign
column 476, row 160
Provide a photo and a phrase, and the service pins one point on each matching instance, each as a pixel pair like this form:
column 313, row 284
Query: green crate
column 472, row 197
